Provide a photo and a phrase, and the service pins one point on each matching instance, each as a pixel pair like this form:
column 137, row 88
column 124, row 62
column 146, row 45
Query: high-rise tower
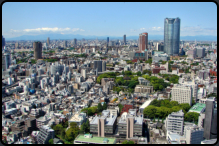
column 124, row 39
column 171, row 36
column 48, row 41
column 37, row 47
column 143, row 41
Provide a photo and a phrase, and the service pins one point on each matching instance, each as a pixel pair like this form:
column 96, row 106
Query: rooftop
column 95, row 139
column 198, row 107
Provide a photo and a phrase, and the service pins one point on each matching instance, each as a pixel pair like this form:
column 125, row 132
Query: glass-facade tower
column 171, row 36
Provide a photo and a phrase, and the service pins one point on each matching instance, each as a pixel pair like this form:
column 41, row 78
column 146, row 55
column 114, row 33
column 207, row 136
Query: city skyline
column 106, row 19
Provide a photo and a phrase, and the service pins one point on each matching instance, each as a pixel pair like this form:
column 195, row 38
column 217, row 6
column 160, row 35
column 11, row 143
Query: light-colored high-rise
column 174, row 122
column 48, row 41
column 182, row 94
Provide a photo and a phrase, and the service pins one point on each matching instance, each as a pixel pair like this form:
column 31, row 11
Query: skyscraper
column 124, row 39
column 107, row 40
column 48, row 41
column 75, row 42
column 37, row 47
column 3, row 42
column 143, row 41
column 98, row 65
column 210, row 123
column 171, row 36
column 65, row 44
column 6, row 61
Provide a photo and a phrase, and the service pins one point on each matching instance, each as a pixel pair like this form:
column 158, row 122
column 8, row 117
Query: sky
column 106, row 18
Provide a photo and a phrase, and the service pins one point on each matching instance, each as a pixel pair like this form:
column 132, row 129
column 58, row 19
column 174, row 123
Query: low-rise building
column 193, row 134
column 90, row 139
column 46, row 133
column 198, row 108
column 78, row 118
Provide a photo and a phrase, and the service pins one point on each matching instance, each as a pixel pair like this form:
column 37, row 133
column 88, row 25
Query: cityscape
column 97, row 73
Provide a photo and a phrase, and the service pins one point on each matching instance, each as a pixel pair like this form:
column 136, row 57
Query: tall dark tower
column 171, row 36
column 124, row 39
column 3, row 42
column 210, row 123
column 75, row 42
column 37, row 47
column 107, row 39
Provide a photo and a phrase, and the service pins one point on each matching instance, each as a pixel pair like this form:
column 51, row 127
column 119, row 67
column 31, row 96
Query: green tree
column 154, row 119
column 104, row 106
column 139, row 73
column 51, row 141
column 191, row 116
column 185, row 106
column 65, row 124
column 100, row 107
column 131, row 142
column 62, row 134
column 58, row 129
column 125, row 142
column 87, row 126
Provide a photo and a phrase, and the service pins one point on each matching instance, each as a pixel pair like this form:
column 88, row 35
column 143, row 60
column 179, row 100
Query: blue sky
column 106, row 19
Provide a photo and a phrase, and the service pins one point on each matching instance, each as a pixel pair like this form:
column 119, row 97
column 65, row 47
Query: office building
column 124, row 39
column 104, row 124
column 182, row 94
column 46, row 133
column 200, row 52
column 130, row 124
column 37, row 47
column 48, row 41
column 139, row 55
column 98, row 65
column 65, row 44
column 210, row 123
column 3, row 42
column 103, row 66
column 6, row 61
column 16, row 45
column 75, row 42
column 171, row 36
column 143, row 89
column 174, row 122
column 84, row 73
column 107, row 40
column 193, row 134
column 143, row 41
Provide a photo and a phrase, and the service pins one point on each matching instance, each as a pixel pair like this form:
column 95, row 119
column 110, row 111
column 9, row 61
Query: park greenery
column 120, row 107
column 129, row 62
column 90, row 111
column 162, row 108
column 128, row 142
column 149, row 61
column 33, row 61
column 80, row 55
column 195, row 63
column 170, row 77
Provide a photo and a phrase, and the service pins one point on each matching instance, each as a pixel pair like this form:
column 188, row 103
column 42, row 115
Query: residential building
column 200, row 52
column 143, row 41
column 143, row 89
column 174, row 122
column 171, row 36
column 175, row 138
column 46, row 133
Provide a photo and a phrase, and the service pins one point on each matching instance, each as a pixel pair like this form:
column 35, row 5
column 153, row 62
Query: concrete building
column 143, row 55
column 6, row 61
column 143, row 41
column 200, row 52
column 158, row 57
column 104, row 124
column 75, row 42
column 193, row 134
column 182, row 94
column 37, row 47
column 143, row 89
column 130, row 124
column 211, row 141
column 103, row 66
column 175, row 138
column 210, row 123
column 78, row 118
column 84, row 73
column 174, row 122
column 43, row 121
column 192, row 84
column 46, row 133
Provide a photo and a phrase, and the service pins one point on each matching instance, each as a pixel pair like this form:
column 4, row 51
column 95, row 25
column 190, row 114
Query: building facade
column 193, row 134
column 37, row 47
column 182, row 94
column 143, row 41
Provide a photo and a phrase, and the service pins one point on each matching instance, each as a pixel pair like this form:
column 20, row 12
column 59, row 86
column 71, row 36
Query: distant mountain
column 77, row 36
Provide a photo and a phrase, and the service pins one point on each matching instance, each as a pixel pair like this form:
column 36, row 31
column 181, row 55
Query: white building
column 193, row 134
column 174, row 122
column 182, row 94
column 84, row 73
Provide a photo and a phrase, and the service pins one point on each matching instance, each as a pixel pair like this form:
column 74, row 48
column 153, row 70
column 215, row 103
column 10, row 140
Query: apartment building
column 46, row 133
column 78, row 118
column 143, row 89
column 182, row 94
column 174, row 122
column 130, row 124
